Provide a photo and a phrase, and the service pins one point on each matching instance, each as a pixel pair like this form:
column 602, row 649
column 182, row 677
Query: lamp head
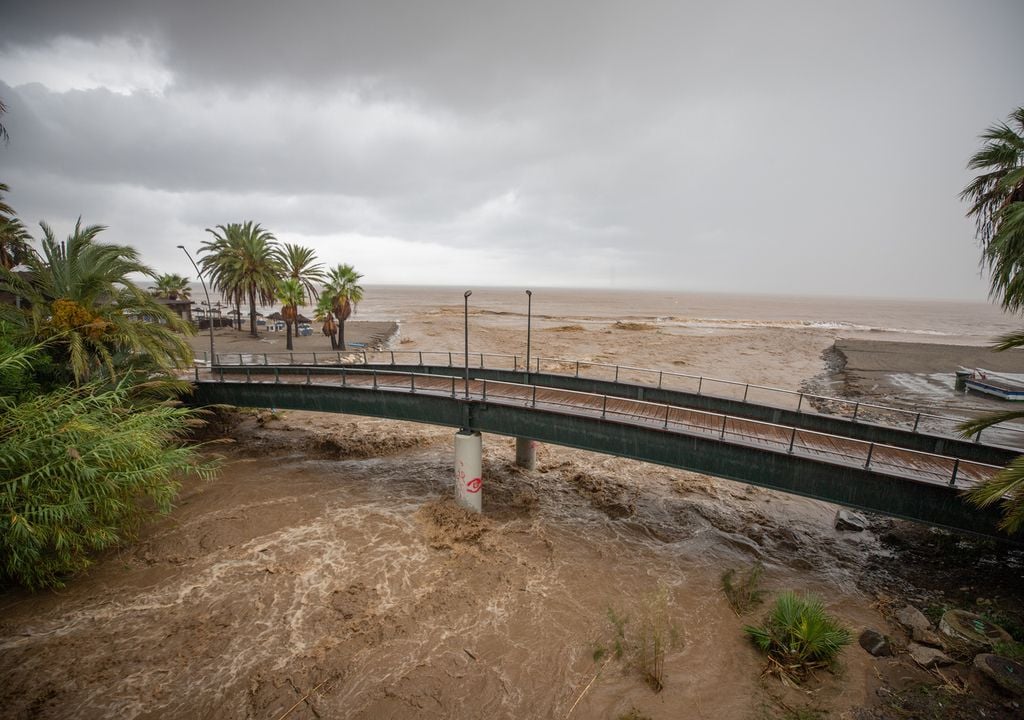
column 530, row 293
column 467, row 293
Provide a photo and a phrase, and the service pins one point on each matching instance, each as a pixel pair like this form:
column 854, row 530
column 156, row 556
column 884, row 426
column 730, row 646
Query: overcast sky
column 782, row 147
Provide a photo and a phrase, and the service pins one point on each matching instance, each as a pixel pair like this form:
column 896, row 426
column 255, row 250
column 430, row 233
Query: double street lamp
column 208, row 303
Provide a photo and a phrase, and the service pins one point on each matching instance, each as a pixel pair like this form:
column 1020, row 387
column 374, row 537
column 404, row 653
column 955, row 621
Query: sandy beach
column 327, row 573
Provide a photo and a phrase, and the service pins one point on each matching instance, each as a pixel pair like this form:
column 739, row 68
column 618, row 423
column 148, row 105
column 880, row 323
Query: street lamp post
column 465, row 297
column 208, row 303
column 529, row 308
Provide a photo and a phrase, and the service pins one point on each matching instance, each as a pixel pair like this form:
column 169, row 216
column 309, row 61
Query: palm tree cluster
column 77, row 296
column 247, row 265
column 997, row 205
column 88, row 422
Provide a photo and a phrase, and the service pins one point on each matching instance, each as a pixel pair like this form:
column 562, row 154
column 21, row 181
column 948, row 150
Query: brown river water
column 326, row 572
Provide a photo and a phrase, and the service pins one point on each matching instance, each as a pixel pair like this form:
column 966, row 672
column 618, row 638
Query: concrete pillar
column 469, row 470
column 526, row 453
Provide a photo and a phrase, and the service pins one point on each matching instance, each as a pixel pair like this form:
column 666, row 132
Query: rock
column 875, row 643
column 928, row 657
column 1005, row 673
column 972, row 630
column 928, row 637
column 852, row 522
column 912, row 618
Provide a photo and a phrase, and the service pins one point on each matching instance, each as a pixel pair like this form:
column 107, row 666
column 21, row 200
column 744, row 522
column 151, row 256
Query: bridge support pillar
column 469, row 470
column 526, row 453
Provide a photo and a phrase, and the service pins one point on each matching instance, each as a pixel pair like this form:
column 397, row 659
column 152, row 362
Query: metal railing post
column 365, row 361
column 392, row 358
column 277, row 376
column 314, row 358
column 248, row 375
column 700, row 383
column 956, row 466
column 660, row 373
column 344, row 377
column 724, row 419
column 534, row 396
column 481, row 361
column 667, row 408
column 792, row 440
column 222, row 374
column 453, row 384
column 745, row 391
column 871, row 450
column 374, row 379
column 449, row 359
column 308, row 381
column 577, row 368
column 484, row 399
column 800, row 402
column 421, row 358
column 265, row 363
column 856, row 409
column 604, row 406
column 339, row 358
column 616, row 373
column 917, row 421
column 412, row 383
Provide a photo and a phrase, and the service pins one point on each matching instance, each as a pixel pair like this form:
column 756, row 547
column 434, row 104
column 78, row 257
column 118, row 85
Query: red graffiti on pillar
column 474, row 485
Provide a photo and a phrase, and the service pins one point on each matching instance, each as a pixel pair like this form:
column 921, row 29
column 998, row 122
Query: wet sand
column 326, row 572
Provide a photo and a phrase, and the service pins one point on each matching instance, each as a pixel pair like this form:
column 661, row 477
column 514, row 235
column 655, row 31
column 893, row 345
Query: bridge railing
column 1010, row 434
column 836, row 449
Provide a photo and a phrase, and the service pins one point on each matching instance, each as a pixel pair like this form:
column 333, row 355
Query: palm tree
column 3, row 131
column 291, row 294
column 345, row 293
column 324, row 313
column 242, row 262
column 81, row 299
column 15, row 242
column 299, row 263
column 997, row 205
column 172, row 287
column 997, row 197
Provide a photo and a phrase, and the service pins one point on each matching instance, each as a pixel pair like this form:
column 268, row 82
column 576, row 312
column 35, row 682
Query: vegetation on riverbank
column 92, row 438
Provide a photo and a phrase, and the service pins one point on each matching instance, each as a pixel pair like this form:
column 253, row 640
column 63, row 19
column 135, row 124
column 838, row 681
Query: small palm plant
column 799, row 636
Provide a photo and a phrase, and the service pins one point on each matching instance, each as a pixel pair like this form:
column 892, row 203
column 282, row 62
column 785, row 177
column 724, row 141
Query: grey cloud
column 757, row 146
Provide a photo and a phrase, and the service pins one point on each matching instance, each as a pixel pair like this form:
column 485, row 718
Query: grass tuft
column 746, row 593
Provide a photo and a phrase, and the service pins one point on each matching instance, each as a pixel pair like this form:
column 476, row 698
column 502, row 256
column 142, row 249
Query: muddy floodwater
column 327, row 573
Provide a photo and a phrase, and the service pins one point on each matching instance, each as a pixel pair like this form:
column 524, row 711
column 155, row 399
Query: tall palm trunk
column 288, row 329
column 252, row 312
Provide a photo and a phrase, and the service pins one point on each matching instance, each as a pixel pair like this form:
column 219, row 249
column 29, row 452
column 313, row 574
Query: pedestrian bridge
column 885, row 460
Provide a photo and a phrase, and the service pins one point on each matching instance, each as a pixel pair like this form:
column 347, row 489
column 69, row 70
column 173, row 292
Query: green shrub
column 799, row 636
column 75, row 466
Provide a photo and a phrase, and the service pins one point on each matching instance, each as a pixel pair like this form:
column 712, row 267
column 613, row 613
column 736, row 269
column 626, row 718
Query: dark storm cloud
column 767, row 146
